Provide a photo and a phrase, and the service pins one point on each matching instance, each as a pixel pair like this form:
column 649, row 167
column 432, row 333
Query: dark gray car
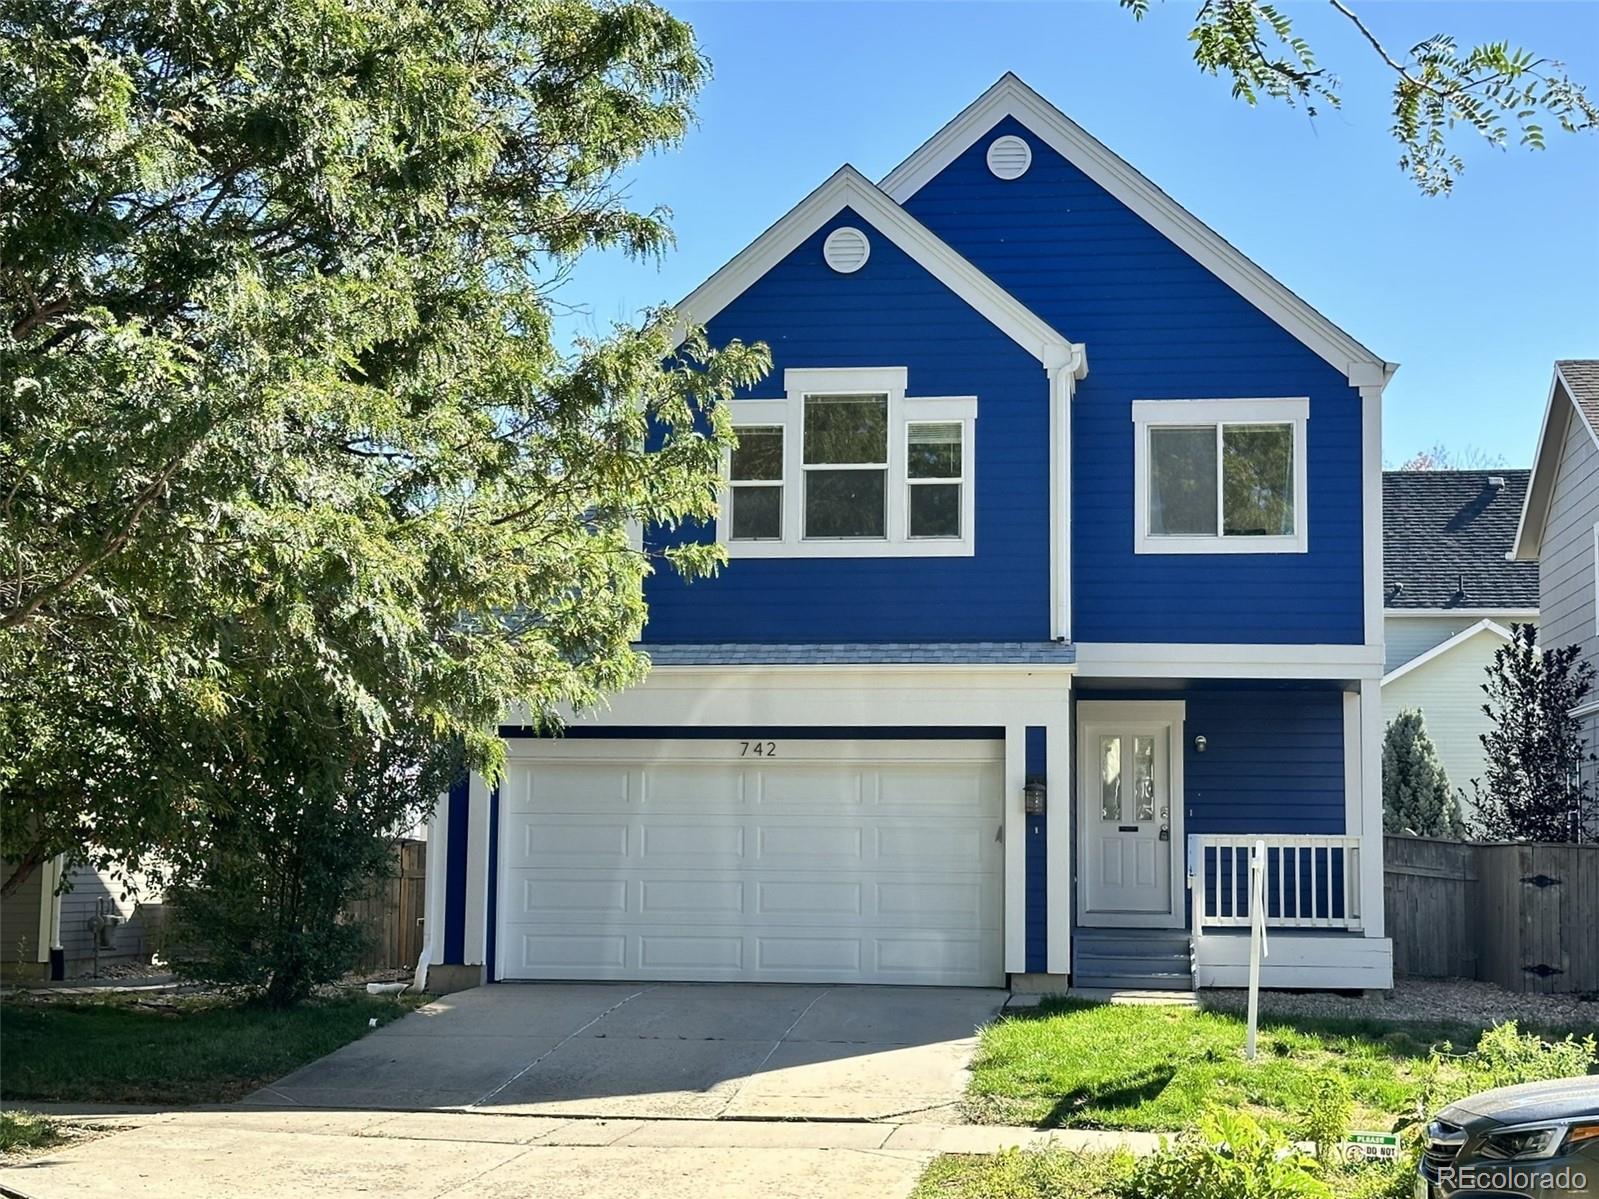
column 1540, row 1140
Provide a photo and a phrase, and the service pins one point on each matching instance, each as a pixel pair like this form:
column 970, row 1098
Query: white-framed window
column 1220, row 476
column 848, row 465
column 934, row 461
column 755, row 494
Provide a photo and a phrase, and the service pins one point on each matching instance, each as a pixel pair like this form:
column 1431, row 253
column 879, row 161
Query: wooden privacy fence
column 394, row 912
column 1524, row 916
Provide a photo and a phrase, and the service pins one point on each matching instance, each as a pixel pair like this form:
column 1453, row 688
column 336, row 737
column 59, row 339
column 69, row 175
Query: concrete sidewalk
column 240, row 1153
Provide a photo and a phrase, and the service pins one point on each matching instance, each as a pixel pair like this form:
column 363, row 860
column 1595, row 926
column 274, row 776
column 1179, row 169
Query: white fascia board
column 1011, row 97
column 848, row 188
column 1559, row 411
column 1444, row 647
column 1499, row 614
column 1189, row 660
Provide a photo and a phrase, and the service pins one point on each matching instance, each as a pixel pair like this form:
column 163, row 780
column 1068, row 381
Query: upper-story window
column 848, row 465
column 1220, row 476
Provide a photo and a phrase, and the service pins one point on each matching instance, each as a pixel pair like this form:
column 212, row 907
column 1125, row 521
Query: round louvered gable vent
column 846, row 250
column 1009, row 157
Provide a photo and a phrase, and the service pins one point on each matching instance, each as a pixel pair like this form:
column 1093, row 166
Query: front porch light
column 1034, row 793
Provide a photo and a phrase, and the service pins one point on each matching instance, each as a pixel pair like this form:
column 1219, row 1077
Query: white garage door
column 799, row 861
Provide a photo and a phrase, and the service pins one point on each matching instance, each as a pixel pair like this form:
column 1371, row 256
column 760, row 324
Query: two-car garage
column 780, row 860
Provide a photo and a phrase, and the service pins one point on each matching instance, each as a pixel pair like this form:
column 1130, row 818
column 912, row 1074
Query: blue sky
column 1474, row 294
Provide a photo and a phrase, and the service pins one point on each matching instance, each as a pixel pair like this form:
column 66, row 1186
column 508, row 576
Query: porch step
column 1131, row 958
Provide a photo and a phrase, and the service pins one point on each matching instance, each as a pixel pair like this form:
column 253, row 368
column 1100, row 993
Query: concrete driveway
column 641, row 1051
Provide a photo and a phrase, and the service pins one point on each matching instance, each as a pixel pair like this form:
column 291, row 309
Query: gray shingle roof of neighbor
column 1445, row 536
column 1582, row 384
column 959, row 653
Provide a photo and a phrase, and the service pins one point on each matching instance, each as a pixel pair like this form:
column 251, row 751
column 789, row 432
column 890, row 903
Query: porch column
column 1015, row 833
column 1058, row 828
column 1370, row 828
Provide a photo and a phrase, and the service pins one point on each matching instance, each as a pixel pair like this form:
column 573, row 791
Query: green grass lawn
column 1059, row 1174
column 114, row 1050
column 1071, row 1063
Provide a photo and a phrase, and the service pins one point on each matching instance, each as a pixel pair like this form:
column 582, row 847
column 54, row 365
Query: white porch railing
column 1310, row 882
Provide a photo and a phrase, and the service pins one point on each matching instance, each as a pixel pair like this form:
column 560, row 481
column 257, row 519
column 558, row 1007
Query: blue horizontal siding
column 1159, row 326
column 1273, row 762
column 889, row 313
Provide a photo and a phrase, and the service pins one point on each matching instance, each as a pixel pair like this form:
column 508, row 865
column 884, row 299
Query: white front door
column 1130, row 813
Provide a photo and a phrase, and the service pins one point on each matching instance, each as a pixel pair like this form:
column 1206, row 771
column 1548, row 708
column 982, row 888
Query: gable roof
column 1573, row 393
column 1011, row 97
column 848, row 188
column 1446, row 540
column 1454, row 643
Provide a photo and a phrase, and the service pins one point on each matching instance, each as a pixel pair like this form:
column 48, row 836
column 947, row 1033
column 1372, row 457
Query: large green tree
column 296, row 490
column 1417, row 800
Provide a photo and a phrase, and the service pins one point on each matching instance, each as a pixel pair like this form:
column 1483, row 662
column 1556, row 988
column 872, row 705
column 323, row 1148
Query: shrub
column 1229, row 1157
column 1417, row 800
column 1505, row 1056
column 1327, row 1119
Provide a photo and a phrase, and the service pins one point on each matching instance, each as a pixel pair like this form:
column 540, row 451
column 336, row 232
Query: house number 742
column 757, row 749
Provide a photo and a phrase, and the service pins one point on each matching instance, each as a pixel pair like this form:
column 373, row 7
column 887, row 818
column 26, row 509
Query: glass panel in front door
column 1110, row 778
column 1143, row 778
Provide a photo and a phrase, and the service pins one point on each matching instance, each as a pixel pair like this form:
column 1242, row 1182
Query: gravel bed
column 1450, row 1000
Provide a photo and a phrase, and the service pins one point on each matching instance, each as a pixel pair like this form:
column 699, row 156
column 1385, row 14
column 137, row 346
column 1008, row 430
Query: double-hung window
column 933, row 475
column 1220, row 476
column 848, row 465
column 756, row 491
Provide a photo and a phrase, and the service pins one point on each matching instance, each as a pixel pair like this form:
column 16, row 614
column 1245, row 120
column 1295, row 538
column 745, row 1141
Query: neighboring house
column 1450, row 596
column 52, row 933
column 1056, row 578
column 1560, row 521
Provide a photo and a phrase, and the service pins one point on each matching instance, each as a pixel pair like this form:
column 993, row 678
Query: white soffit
column 1559, row 412
column 1011, row 97
column 848, row 188
column 1444, row 647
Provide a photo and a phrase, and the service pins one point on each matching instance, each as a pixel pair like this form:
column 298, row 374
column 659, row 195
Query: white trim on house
column 1011, row 97
column 788, row 414
column 434, row 870
column 848, row 188
column 1187, row 660
column 1370, row 827
column 1155, row 414
column 1545, row 466
column 1501, row 614
column 1302, row 960
column 1371, row 502
column 1444, row 647
column 1353, row 819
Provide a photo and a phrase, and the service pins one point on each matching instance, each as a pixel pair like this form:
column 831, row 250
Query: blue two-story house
column 1054, row 591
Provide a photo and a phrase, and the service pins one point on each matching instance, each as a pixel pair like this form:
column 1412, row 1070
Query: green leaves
column 292, row 479
column 1493, row 88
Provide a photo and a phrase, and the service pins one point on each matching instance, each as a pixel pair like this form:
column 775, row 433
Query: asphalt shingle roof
column 1582, row 384
column 1445, row 536
column 981, row 653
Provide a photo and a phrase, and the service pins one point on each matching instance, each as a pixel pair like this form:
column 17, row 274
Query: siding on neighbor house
column 1566, row 559
column 1157, row 325
column 82, row 903
column 1273, row 760
column 1405, row 637
column 19, row 920
column 1448, row 690
column 890, row 312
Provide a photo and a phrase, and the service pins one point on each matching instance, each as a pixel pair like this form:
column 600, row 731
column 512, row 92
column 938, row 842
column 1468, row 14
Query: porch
column 1175, row 790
